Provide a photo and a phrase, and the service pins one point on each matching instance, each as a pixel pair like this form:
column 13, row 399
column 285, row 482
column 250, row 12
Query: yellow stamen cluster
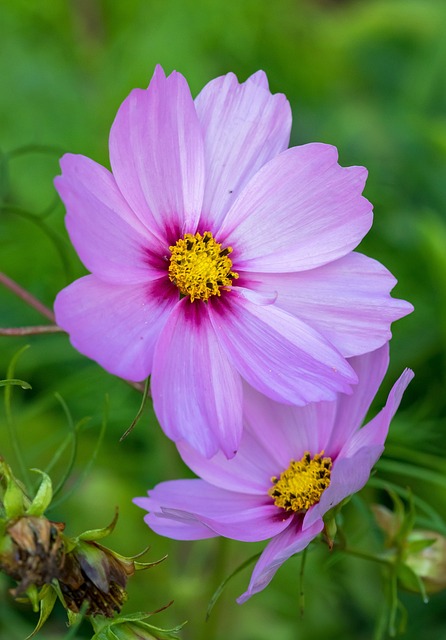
column 199, row 267
column 302, row 484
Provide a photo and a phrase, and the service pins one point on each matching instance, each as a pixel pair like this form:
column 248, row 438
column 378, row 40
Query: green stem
column 211, row 625
column 364, row 556
column 12, row 431
column 301, row 582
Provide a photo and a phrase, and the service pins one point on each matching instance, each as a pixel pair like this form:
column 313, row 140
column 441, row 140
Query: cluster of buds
column 418, row 555
column 88, row 578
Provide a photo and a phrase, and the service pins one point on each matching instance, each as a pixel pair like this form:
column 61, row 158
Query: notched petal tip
column 259, row 78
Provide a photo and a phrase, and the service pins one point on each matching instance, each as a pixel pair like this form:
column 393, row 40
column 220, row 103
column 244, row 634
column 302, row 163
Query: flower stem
column 30, row 331
column 211, row 626
column 365, row 556
column 26, row 296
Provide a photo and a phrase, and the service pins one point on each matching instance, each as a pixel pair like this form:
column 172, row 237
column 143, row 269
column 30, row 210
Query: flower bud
column 96, row 575
column 126, row 631
column 427, row 562
column 32, row 551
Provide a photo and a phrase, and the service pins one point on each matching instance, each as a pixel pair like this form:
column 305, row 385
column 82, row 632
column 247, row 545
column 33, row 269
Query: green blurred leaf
column 15, row 381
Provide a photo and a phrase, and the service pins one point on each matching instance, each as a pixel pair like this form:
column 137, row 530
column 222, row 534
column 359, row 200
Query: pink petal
column 286, row 432
column 356, row 459
column 250, row 470
column 233, row 515
column 348, row 301
column 108, row 237
column 351, row 410
column 273, row 435
column 188, row 527
column 244, row 126
column 197, row 393
column 116, row 325
column 156, row 153
column 300, row 211
column 281, row 547
column 276, row 353
column 348, row 476
column 375, row 432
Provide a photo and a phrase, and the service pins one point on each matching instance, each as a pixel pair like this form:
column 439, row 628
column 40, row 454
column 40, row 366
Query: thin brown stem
column 30, row 331
column 26, row 297
column 41, row 308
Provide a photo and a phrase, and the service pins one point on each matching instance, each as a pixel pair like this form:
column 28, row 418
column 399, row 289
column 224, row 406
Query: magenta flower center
column 199, row 267
column 302, row 484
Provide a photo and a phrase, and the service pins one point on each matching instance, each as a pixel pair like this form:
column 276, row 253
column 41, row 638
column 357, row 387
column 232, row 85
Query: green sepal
column 33, row 595
column 47, row 598
column 140, row 566
column 415, row 546
column 97, row 534
column 330, row 530
column 411, row 581
column 132, row 626
column 43, row 497
column 13, row 499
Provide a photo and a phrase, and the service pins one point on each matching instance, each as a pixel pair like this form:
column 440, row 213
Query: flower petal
column 301, row 210
column 197, row 393
column 281, row 547
column 276, row 353
column 360, row 452
column 188, row 527
column 273, row 434
column 375, row 432
column 348, row 476
column 244, row 126
column 108, row 237
column 234, row 515
column 286, row 432
column 116, row 325
column 156, row 153
column 249, row 471
column 348, row 301
column 351, row 410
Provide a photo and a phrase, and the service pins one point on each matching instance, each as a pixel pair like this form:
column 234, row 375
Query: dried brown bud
column 32, row 552
column 94, row 574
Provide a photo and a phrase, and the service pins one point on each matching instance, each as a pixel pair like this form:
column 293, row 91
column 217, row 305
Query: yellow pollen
column 199, row 267
column 302, row 484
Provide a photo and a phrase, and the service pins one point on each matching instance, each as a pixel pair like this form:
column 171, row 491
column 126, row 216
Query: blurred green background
column 367, row 76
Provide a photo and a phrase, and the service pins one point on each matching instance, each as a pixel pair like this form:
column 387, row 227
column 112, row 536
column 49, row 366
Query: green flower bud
column 426, row 556
column 126, row 631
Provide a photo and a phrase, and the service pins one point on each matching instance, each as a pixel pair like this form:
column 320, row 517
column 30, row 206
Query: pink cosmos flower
column 293, row 465
column 217, row 256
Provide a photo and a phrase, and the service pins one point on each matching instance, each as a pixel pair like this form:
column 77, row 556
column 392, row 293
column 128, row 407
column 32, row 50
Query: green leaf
column 434, row 519
column 223, row 584
column 4, row 177
column 137, row 418
column 87, row 467
column 412, row 471
column 9, row 417
column 57, row 241
column 16, row 382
